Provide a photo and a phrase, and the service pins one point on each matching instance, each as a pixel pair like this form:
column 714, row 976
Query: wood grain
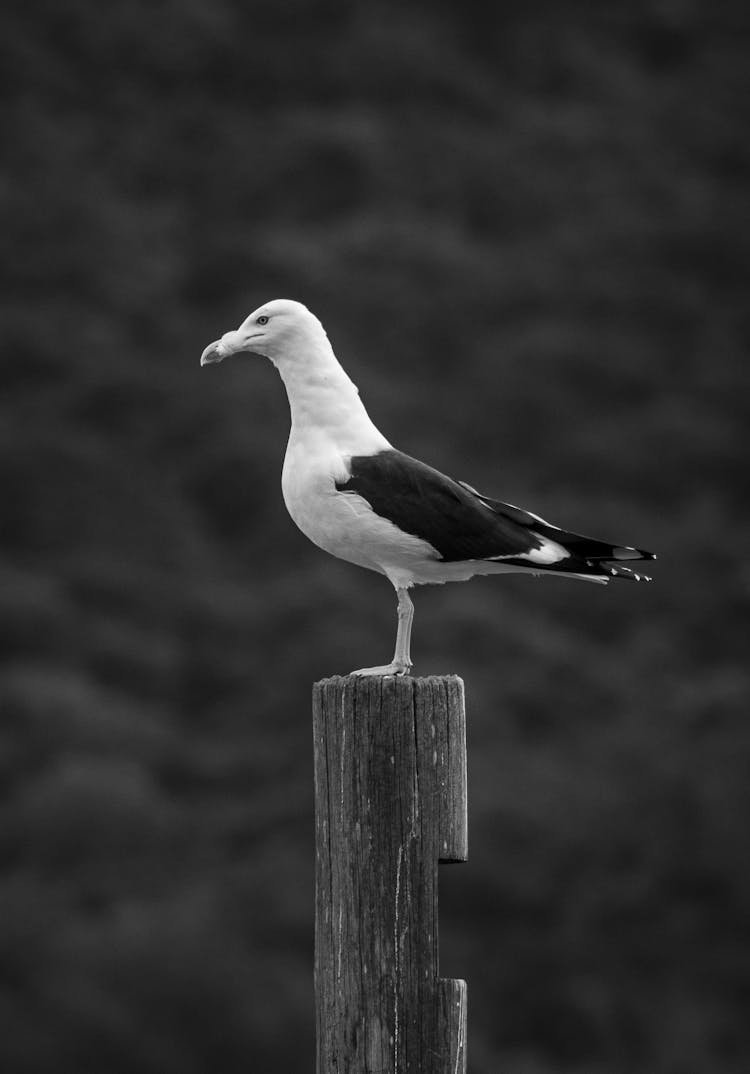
column 390, row 804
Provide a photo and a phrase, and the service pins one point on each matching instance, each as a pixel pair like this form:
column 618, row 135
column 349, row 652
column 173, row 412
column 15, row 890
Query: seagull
column 359, row 498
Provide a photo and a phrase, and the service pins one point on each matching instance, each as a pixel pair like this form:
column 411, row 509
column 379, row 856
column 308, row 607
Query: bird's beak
column 212, row 353
column 230, row 343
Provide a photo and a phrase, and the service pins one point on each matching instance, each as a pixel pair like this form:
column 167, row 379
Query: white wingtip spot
column 549, row 552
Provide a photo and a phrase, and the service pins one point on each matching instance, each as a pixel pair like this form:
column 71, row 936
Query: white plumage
column 355, row 496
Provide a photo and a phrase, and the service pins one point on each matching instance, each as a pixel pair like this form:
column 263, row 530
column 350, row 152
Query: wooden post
column 390, row 803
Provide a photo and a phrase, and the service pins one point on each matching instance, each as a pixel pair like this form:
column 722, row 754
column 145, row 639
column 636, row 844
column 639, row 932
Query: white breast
column 344, row 524
column 329, row 426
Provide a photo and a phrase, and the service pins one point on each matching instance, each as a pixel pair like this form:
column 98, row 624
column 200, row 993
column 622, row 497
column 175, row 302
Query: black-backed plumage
column 463, row 524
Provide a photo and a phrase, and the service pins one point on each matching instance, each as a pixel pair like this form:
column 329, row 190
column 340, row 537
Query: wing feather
column 462, row 524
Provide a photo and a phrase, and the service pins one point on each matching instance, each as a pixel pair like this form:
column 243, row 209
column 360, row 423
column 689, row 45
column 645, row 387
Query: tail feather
column 598, row 569
column 625, row 572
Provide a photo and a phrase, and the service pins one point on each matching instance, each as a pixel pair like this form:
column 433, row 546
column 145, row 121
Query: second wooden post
column 390, row 804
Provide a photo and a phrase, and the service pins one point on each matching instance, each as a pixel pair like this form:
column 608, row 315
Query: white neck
column 324, row 402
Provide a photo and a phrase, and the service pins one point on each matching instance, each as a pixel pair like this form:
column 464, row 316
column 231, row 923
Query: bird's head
column 274, row 330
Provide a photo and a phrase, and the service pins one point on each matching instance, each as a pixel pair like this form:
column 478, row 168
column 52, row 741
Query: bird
column 359, row 498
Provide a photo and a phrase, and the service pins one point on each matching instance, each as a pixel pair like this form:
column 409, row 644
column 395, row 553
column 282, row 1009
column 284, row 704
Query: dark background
column 525, row 229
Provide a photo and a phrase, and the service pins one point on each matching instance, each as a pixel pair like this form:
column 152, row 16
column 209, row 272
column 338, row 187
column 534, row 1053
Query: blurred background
column 526, row 231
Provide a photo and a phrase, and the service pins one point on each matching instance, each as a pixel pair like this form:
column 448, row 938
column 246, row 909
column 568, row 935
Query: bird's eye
column 263, row 319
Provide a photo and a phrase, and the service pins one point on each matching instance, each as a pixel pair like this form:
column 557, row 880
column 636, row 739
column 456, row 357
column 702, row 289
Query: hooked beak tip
column 212, row 354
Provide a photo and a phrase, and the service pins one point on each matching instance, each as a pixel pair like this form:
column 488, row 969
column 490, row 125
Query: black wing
column 422, row 501
column 462, row 524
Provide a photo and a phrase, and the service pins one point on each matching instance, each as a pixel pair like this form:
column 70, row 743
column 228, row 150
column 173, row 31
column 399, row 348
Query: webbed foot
column 393, row 668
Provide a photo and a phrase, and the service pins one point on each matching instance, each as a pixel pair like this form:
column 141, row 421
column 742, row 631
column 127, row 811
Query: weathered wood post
column 390, row 803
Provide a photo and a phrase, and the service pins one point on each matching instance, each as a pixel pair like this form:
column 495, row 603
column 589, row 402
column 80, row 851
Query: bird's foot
column 394, row 668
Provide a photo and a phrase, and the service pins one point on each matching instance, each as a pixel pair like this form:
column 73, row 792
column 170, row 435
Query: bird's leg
column 401, row 663
column 402, row 654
